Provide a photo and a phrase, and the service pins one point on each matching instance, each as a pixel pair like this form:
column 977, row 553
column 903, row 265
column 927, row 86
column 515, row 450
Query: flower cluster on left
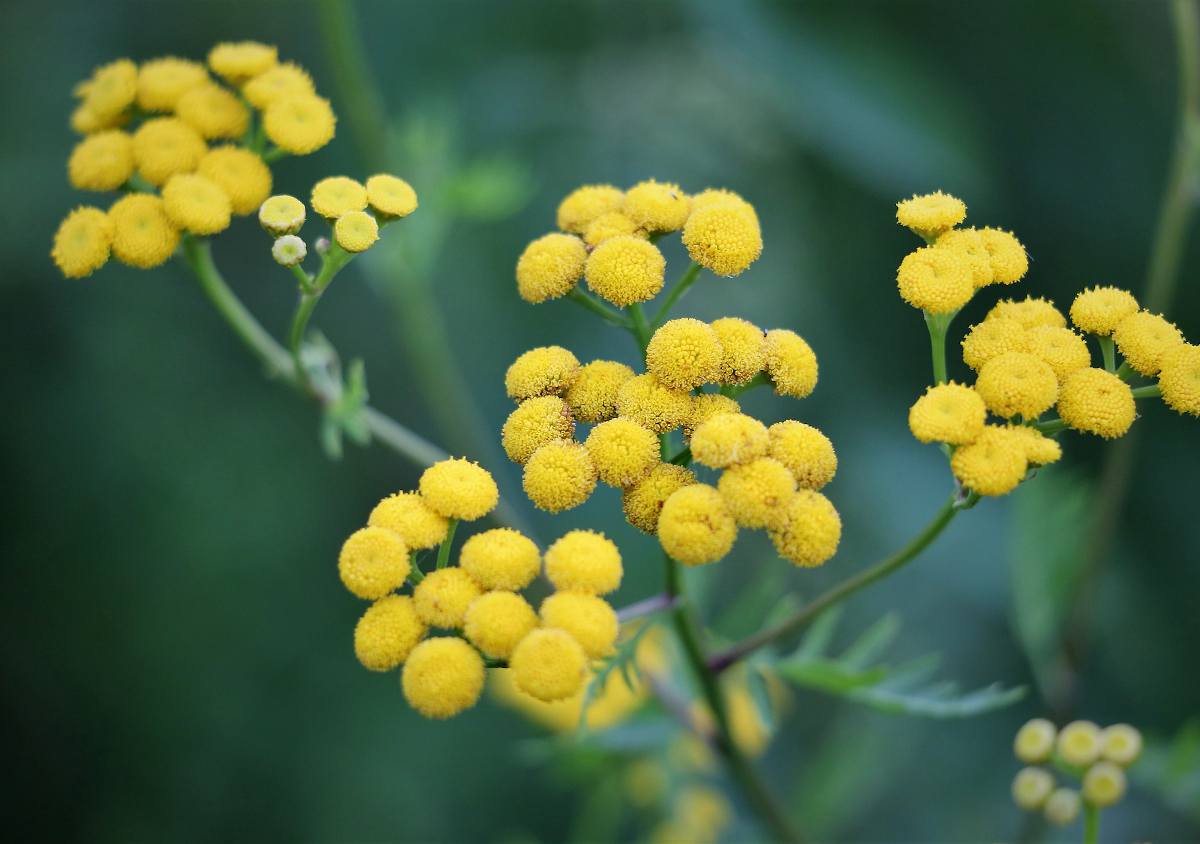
column 548, row 652
column 188, row 144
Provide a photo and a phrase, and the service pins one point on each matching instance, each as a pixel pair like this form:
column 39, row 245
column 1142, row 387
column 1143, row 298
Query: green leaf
column 623, row 661
column 903, row 690
column 490, row 189
column 1171, row 769
column 1049, row 522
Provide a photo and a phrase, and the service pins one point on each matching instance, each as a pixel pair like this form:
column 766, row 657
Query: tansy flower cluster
column 608, row 237
column 478, row 602
column 769, row 477
column 1028, row 359
column 188, row 143
column 1095, row 757
column 355, row 211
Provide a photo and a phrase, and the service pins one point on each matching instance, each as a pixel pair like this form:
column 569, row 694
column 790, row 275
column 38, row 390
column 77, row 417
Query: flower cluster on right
column 1027, row 359
column 1096, row 757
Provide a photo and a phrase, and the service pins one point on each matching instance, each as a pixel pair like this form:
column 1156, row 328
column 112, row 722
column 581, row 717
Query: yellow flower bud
column 805, row 451
column 695, row 526
column 1143, row 338
column 501, row 558
column 442, row 597
column 103, row 161
column 657, row 206
column 356, row 231
column 684, row 354
column 497, row 621
column 550, row 267
column 652, row 404
column 559, row 476
column 544, row 371
column 723, row 237
column 534, row 423
column 1121, row 743
column 1062, row 807
column 373, row 562
column 1097, row 402
column 756, row 493
column 728, row 439
column 583, row 205
column 1006, row 255
column 584, row 561
column 143, row 236
column 1179, row 379
column 1103, row 784
column 791, row 363
column 993, row 464
column 1031, row 787
column 1034, row 742
column 1030, row 312
column 1017, row 384
column 948, row 413
column 930, row 214
column 622, row 451
column 549, row 665
column 991, row 338
column 626, row 269
column 590, row 620
column 281, row 215
column 459, row 489
column 407, row 514
column 643, row 502
column 387, row 633
column 593, row 396
column 811, row 530
column 442, row 677
column 83, row 242
column 938, row 281
column 1099, row 310
column 1079, row 743
column 743, row 350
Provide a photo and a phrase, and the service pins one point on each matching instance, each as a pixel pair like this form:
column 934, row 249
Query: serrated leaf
column 623, row 661
column 877, row 639
column 829, row 675
column 974, row 703
column 820, row 634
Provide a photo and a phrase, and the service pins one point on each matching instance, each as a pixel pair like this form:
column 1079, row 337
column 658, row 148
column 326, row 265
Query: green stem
column 739, row 766
column 735, row 390
column 1150, row 391
column 1126, row 372
column 846, row 588
column 443, row 557
column 198, row 257
column 677, row 290
column 1091, row 824
column 359, row 97
column 1108, row 352
column 273, row 154
column 606, row 313
column 639, row 327
column 331, row 263
column 938, row 324
column 1050, row 426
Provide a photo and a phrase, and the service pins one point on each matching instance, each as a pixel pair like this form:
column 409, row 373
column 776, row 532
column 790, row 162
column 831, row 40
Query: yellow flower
column 459, row 489
column 281, row 215
column 991, row 338
column 442, row 597
column 82, row 242
column 704, row 407
column 544, row 371
column 1079, row 743
column 241, row 174
column 1017, row 383
column 948, row 413
column 1060, row 348
column 497, row 621
column 1062, row 807
column 657, row 206
column 1143, row 338
column 684, row 354
column 805, row 451
column 238, row 61
column 143, row 234
column 356, row 231
column 85, row 123
column 407, row 514
column 695, row 527
column 103, row 161
column 590, row 621
column 593, row 396
column 625, row 269
column 1179, row 378
column 111, row 90
column 756, row 493
column 387, row 633
column 743, row 350
column 810, row 529
column 1034, row 742
column 728, row 439
column 968, row 244
column 196, row 204
column 1098, row 310
column 334, row 196
column 534, row 423
column 935, row 280
column 282, row 80
column 299, row 123
column 719, row 196
column 289, row 251
column 550, row 267
column 622, row 451
column 643, row 502
column 653, row 405
column 1030, row 312
column 548, row 665
column 1006, row 255
column 1031, row 787
column 391, row 196
column 1040, row 450
column 610, row 224
column 583, row 205
column 164, row 146
column 723, row 237
column 1097, row 402
column 1121, row 743
column 214, row 112
column 373, row 562
column 442, row 677
column 501, row 558
column 559, row 476
column 930, row 214
column 993, row 464
column 790, row 363
column 1103, row 784
column 584, row 561
column 161, row 82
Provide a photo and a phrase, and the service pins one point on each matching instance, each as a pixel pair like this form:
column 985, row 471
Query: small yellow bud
column 534, row 423
column 550, row 267
column 1079, row 743
column 1103, row 784
column 1121, row 743
column 994, row 463
column 643, row 502
column 728, row 439
column 583, row 205
column 281, row 215
column 1034, row 742
column 407, row 514
column 497, row 621
column 559, row 476
column 805, row 451
column 584, row 561
column 501, row 558
column 1099, row 310
column 1097, row 402
column 442, row 677
column 791, row 363
column 1062, row 807
column 622, row 451
column 695, row 526
column 811, row 530
column 684, row 354
column 1143, row 338
column 387, row 633
column 289, row 250
column 1030, row 312
column 948, row 413
column 626, row 269
column 1017, row 384
column 459, row 489
column 652, row 404
column 756, row 493
column 657, row 206
column 930, row 214
column 544, row 371
column 590, row 620
column 1031, row 787
column 373, row 562
column 549, row 665
column 593, row 395
column 743, row 350
column 1179, row 379
column 356, row 231
column 938, row 281
column 442, row 597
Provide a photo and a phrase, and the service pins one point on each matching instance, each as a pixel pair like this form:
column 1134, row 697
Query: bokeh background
column 177, row 657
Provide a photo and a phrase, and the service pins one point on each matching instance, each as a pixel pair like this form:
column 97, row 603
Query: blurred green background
column 177, row 646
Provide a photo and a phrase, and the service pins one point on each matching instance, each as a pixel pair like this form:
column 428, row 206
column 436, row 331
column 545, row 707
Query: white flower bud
column 289, row 250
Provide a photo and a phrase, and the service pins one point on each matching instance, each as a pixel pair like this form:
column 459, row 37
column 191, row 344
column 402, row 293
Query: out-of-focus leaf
column 1049, row 521
column 623, row 661
column 897, row 691
column 490, row 189
column 1171, row 768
